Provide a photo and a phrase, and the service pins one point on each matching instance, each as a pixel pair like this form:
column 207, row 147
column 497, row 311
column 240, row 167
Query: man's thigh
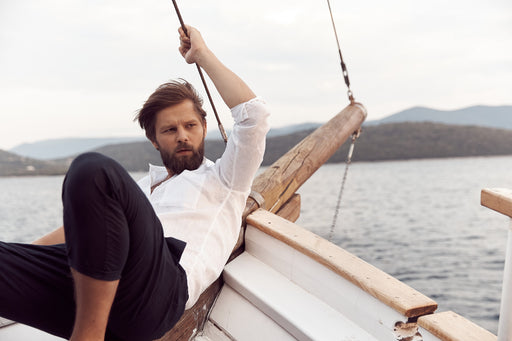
column 36, row 287
column 106, row 208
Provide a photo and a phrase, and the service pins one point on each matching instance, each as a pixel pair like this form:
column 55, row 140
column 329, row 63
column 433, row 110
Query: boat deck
column 17, row 331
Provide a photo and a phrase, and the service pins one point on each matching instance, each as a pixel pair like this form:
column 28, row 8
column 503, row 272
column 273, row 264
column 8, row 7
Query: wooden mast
column 276, row 186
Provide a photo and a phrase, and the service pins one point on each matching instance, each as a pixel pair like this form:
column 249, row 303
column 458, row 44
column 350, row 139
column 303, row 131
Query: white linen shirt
column 204, row 207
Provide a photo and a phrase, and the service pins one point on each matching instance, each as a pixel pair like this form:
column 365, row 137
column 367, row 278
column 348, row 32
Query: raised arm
column 232, row 88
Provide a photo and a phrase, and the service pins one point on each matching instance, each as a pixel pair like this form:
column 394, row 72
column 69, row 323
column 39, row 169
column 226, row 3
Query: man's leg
column 94, row 299
column 113, row 233
column 36, row 287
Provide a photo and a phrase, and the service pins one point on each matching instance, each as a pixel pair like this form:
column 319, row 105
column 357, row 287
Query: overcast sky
column 82, row 68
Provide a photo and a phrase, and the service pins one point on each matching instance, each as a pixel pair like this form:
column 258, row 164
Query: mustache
column 183, row 147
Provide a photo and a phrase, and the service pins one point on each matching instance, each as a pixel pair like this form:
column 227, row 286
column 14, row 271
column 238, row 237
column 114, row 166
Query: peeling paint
column 407, row 331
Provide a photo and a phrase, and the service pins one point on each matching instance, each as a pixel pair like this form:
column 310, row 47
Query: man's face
column 179, row 136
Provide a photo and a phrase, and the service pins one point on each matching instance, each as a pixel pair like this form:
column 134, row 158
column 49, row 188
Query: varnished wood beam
column 291, row 210
column 280, row 181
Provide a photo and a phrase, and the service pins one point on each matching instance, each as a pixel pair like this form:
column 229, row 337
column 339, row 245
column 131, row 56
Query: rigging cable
column 219, row 123
column 338, row 202
column 355, row 135
column 343, row 66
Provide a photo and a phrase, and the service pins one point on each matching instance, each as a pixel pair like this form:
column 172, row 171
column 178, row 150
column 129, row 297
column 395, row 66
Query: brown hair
column 167, row 95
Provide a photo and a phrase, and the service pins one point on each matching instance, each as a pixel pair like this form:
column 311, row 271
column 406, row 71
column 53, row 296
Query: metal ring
column 258, row 198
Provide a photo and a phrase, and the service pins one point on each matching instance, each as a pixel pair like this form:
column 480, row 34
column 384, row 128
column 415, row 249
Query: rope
column 219, row 123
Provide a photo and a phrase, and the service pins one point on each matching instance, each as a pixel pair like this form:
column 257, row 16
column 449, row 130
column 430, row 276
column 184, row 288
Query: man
column 129, row 265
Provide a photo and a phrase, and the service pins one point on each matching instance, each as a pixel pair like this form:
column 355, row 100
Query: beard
column 178, row 163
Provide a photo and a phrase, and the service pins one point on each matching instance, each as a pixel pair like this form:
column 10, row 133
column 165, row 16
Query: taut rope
column 221, row 127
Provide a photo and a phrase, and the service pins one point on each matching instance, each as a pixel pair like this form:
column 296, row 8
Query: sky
column 82, row 68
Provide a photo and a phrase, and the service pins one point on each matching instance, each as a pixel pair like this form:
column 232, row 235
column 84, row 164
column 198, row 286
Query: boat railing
column 408, row 310
column 500, row 200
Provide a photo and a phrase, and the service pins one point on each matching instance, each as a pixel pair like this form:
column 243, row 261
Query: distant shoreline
column 385, row 142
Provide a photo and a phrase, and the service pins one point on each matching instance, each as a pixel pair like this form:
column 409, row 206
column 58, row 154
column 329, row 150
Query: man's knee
column 89, row 171
column 91, row 162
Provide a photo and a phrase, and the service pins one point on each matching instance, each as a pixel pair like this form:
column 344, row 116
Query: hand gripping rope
column 221, row 127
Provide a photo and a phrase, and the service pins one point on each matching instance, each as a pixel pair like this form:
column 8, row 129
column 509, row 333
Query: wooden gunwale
column 497, row 199
column 500, row 200
column 449, row 326
column 372, row 280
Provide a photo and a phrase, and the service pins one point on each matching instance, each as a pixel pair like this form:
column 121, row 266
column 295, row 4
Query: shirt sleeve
column 246, row 145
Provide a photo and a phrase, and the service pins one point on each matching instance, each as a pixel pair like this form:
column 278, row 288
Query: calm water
column 420, row 221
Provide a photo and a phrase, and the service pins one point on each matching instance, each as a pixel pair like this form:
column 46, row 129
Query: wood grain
column 498, row 199
column 282, row 179
column 291, row 209
column 449, row 326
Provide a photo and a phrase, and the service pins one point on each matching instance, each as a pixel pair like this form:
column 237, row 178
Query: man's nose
column 182, row 135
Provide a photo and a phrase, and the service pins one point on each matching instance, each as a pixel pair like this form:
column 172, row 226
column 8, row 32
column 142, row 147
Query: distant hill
column 393, row 141
column 14, row 165
column 60, row 148
column 483, row 116
column 65, row 147
column 419, row 140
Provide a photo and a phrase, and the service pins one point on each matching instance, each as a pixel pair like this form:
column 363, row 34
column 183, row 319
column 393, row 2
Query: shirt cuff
column 240, row 111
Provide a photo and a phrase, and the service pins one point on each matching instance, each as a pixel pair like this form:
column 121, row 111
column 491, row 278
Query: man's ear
column 155, row 145
column 205, row 129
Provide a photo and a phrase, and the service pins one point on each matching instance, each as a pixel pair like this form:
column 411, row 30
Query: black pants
column 112, row 233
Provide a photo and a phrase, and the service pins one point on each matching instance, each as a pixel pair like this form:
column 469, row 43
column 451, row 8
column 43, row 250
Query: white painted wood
column 427, row 336
column 211, row 333
column 302, row 314
column 5, row 322
column 241, row 320
column 366, row 311
column 505, row 323
column 18, row 331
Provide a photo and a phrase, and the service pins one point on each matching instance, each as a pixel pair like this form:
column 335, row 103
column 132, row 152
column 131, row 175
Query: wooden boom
column 276, row 186
column 280, row 181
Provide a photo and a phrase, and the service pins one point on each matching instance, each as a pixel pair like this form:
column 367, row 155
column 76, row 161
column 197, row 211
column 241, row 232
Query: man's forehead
column 184, row 111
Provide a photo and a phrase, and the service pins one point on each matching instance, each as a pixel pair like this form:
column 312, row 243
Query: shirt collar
column 157, row 174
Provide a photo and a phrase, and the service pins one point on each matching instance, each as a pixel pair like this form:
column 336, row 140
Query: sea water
column 421, row 221
column 418, row 220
